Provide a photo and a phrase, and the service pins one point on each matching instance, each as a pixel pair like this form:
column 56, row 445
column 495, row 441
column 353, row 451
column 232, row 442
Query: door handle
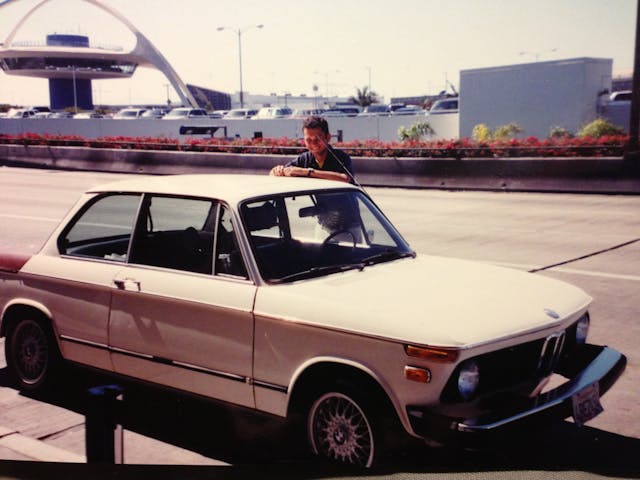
column 128, row 284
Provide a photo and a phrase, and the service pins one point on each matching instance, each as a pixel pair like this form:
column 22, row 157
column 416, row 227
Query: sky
column 397, row 48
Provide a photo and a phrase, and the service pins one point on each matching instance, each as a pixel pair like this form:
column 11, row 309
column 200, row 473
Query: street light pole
column 239, row 33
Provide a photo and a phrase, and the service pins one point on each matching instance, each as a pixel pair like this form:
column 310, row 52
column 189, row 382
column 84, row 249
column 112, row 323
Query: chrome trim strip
column 164, row 361
column 271, row 386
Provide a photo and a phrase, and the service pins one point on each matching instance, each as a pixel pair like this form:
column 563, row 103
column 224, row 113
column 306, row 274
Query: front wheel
column 340, row 429
column 31, row 353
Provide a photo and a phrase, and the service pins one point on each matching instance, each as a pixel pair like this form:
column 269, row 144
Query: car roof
column 232, row 188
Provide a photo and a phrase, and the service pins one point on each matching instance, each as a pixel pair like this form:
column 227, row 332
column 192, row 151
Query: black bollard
column 103, row 433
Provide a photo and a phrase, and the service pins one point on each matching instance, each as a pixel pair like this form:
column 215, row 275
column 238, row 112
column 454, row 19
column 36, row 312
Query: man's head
column 316, row 134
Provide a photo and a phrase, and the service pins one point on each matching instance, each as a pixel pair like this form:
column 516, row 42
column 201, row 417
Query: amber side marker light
column 443, row 355
column 417, row 374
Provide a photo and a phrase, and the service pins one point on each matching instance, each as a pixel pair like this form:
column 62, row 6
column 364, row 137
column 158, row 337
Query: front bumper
column 595, row 364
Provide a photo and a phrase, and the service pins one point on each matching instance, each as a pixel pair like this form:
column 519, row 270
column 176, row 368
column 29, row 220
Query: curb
column 36, row 449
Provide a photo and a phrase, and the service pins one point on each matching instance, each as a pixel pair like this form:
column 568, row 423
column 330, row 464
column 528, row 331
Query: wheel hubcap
column 31, row 354
column 340, row 431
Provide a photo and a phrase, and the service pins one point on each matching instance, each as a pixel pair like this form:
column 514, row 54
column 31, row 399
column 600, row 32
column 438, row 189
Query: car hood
column 426, row 300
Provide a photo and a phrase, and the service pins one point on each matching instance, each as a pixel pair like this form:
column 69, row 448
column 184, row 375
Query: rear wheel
column 31, row 353
column 342, row 428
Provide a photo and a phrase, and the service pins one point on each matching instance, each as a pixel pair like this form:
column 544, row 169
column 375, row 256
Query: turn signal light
column 443, row 355
column 417, row 374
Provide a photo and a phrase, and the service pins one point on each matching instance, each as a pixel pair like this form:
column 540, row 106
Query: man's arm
column 292, row 171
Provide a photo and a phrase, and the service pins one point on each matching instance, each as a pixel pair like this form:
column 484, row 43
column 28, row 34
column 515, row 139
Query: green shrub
column 505, row 132
column 481, row 133
column 416, row 131
column 559, row 132
column 599, row 128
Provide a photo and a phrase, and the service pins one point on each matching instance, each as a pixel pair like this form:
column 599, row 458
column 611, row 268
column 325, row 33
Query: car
column 444, row 105
column 21, row 113
column 341, row 111
column 154, row 113
column 621, row 96
column 273, row 112
column 408, row 110
column 186, row 112
column 240, row 113
column 129, row 113
column 375, row 110
column 297, row 297
column 85, row 115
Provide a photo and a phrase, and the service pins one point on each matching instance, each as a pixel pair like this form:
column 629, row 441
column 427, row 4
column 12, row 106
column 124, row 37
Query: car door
column 181, row 312
column 77, row 283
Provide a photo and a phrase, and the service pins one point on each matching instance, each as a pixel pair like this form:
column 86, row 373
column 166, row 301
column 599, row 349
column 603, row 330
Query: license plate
column 586, row 404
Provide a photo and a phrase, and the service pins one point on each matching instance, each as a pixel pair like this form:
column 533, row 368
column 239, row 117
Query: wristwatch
column 310, row 172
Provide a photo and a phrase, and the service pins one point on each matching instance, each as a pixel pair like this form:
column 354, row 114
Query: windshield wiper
column 317, row 271
column 386, row 256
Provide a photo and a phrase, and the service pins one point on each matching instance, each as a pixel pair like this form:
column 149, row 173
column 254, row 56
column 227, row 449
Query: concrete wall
column 536, row 96
column 353, row 128
column 584, row 175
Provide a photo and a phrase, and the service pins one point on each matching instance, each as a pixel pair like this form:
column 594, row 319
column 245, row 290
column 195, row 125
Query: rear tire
column 31, row 353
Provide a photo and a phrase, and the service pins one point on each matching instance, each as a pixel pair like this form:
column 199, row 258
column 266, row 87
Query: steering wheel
column 333, row 235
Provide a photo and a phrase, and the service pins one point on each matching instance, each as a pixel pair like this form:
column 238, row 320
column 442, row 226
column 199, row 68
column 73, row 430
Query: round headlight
column 582, row 329
column 468, row 379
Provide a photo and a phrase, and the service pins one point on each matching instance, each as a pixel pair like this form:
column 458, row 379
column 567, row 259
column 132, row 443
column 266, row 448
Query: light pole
column 239, row 33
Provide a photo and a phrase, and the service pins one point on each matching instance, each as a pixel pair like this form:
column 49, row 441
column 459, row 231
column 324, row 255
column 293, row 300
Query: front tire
column 342, row 429
column 31, row 353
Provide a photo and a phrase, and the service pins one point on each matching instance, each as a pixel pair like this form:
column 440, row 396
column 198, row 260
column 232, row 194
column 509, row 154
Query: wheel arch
column 18, row 307
column 330, row 372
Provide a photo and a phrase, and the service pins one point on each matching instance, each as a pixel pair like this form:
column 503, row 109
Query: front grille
column 516, row 367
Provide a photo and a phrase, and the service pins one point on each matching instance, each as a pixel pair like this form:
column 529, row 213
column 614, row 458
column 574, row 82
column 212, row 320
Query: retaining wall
column 585, row 175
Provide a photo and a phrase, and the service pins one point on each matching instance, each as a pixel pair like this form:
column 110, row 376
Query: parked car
column 154, row 113
column 341, row 111
column 298, row 298
column 129, row 113
column 444, row 105
column 620, row 96
column 273, row 112
column 409, row 110
column 186, row 112
column 21, row 113
column 88, row 115
column 374, row 110
column 240, row 113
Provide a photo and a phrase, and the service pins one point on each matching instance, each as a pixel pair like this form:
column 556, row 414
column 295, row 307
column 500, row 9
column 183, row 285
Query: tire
column 342, row 428
column 31, row 353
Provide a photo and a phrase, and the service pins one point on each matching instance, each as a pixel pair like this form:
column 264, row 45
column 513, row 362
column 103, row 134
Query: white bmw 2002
column 297, row 297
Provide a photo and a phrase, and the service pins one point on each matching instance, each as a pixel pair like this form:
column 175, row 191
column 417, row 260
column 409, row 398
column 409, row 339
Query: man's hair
column 316, row 122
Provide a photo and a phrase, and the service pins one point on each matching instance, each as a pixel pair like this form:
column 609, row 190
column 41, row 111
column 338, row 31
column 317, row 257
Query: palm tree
column 364, row 97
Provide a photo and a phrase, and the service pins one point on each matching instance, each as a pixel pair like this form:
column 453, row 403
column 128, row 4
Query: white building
column 536, row 96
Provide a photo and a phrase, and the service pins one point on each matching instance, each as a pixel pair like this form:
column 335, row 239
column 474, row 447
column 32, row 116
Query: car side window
column 228, row 258
column 103, row 229
column 172, row 233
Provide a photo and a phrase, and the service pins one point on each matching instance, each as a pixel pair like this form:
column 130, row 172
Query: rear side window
column 103, row 229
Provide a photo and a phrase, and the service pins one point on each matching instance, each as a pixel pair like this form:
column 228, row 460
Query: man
column 321, row 160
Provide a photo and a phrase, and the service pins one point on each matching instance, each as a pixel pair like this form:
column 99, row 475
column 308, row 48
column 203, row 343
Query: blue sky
column 403, row 47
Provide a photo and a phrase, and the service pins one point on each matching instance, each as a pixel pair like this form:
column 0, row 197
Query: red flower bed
column 612, row 145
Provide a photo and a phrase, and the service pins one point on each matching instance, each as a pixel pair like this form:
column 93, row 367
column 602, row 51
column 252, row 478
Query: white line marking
column 590, row 273
column 28, row 217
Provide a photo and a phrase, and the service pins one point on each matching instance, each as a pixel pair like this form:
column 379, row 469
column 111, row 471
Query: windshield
column 317, row 233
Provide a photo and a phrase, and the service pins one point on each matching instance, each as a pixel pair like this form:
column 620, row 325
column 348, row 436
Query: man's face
column 315, row 140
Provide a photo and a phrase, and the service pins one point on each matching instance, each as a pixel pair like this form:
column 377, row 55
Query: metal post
column 240, row 62
column 634, row 120
column 103, row 433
